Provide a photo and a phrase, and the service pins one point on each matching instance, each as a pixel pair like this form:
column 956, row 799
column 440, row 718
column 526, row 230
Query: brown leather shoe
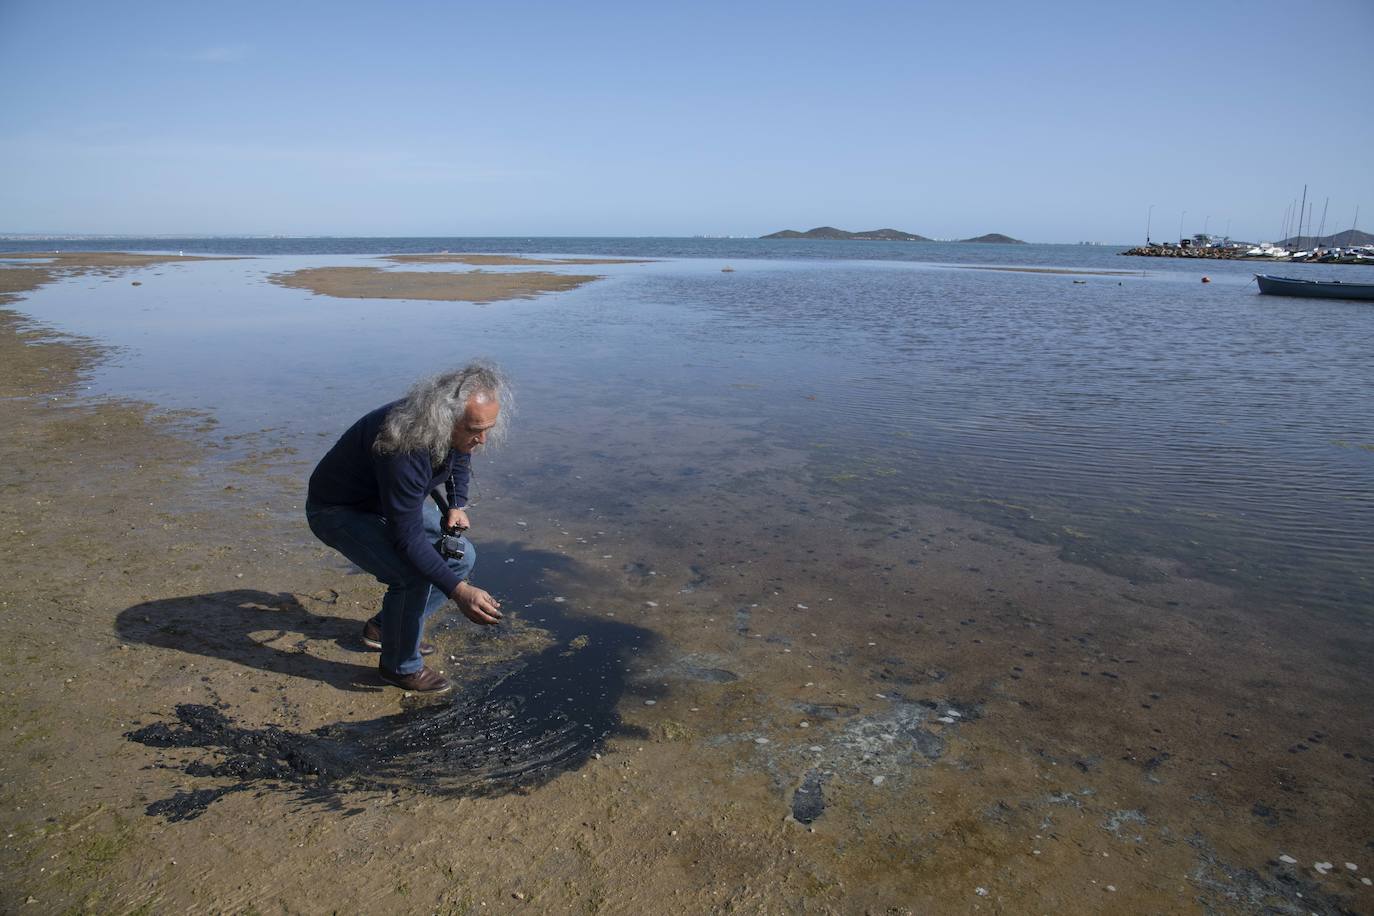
column 372, row 638
column 426, row 680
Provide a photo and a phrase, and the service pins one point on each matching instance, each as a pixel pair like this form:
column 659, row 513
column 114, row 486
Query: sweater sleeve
column 403, row 483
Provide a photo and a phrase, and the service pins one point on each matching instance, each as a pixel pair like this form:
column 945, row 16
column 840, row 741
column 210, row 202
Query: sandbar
column 1058, row 270
column 504, row 260
column 469, row 286
column 80, row 261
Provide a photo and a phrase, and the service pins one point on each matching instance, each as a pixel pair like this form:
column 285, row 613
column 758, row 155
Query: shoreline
column 1062, row 773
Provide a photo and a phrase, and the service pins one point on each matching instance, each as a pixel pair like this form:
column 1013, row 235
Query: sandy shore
column 191, row 724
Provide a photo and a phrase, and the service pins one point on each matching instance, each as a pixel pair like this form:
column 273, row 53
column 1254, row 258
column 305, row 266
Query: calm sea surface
column 1123, row 417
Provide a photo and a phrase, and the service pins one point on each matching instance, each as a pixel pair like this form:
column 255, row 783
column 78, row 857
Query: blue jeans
column 364, row 538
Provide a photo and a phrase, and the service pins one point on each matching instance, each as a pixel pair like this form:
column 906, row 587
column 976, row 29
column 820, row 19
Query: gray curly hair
column 424, row 420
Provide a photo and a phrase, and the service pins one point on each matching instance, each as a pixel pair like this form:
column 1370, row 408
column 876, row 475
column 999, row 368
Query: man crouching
column 369, row 500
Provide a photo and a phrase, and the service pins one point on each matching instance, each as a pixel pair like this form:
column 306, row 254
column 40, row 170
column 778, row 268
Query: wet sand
column 1058, row 270
column 469, row 286
column 924, row 715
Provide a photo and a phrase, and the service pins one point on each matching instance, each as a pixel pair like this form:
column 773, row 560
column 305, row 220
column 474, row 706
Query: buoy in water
column 1206, row 279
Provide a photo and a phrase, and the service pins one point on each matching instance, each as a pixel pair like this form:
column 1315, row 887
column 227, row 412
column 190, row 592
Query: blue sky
column 1049, row 121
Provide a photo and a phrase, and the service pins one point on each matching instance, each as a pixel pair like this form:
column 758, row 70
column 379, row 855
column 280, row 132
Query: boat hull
column 1314, row 289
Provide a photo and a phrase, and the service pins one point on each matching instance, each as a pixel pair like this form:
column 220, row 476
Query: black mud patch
column 808, row 801
column 184, row 806
column 513, row 727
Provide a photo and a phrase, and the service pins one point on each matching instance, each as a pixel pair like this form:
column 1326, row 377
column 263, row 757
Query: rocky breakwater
column 1173, row 251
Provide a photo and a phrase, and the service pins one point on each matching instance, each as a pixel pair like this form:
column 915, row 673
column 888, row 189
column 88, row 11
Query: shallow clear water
column 1120, row 416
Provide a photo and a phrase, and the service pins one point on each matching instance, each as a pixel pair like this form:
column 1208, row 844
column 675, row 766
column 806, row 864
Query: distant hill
column 830, row 232
column 996, row 238
column 1347, row 239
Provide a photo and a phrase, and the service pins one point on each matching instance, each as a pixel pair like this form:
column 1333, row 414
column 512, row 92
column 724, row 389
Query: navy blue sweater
column 393, row 486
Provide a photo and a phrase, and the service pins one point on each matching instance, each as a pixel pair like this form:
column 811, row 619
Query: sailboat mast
column 1301, row 210
column 1321, row 227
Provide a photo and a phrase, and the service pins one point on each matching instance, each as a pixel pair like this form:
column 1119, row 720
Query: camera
column 450, row 545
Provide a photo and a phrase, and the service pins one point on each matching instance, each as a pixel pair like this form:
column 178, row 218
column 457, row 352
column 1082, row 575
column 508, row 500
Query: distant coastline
column 882, row 235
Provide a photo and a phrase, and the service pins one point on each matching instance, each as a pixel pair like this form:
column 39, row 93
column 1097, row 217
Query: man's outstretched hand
column 477, row 605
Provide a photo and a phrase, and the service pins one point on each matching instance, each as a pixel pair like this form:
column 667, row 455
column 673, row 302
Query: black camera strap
column 440, row 501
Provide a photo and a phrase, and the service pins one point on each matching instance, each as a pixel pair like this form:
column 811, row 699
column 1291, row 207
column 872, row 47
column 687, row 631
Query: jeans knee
column 404, row 580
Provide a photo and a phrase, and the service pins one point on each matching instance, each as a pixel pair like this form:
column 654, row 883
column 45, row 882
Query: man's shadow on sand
column 271, row 631
column 512, row 726
column 255, row 629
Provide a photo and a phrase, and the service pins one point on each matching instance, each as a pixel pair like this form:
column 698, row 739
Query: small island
column 830, row 232
column 995, row 238
column 881, row 235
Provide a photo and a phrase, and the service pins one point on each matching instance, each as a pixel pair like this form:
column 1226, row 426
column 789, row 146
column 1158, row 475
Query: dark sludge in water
column 808, row 800
column 508, row 731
